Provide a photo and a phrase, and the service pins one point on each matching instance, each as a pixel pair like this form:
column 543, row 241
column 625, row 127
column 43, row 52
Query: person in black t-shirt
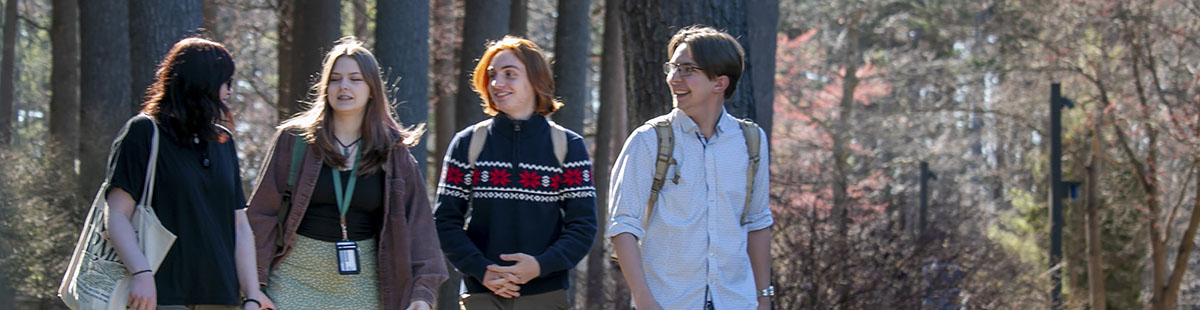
column 198, row 189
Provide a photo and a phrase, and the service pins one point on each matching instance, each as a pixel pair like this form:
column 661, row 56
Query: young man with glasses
column 701, row 239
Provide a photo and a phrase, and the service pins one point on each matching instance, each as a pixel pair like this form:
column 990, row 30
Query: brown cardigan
column 411, row 265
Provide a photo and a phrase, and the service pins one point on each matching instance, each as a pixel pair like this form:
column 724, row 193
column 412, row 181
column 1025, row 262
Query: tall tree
column 211, row 16
column 307, row 30
column 611, row 129
column 572, row 41
column 444, row 30
column 518, row 21
column 651, row 25
column 361, row 18
column 484, row 20
column 64, row 100
column 154, row 26
column 402, row 46
column 763, row 27
column 7, row 74
column 104, row 86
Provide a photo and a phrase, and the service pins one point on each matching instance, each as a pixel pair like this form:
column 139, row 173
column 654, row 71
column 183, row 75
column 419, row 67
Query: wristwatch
column 767, row 292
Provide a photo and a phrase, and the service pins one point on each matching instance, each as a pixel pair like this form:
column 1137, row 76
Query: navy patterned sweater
column 518, row 199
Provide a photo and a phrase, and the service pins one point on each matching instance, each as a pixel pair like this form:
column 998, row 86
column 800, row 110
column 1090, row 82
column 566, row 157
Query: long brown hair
column 186, row 95
column 536, row 67
column 380, row 131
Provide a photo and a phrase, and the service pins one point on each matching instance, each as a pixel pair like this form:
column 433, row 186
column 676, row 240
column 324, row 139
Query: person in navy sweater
column 515, row 219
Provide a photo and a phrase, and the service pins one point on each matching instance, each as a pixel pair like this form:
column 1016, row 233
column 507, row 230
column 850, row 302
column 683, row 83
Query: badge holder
column 347, row 253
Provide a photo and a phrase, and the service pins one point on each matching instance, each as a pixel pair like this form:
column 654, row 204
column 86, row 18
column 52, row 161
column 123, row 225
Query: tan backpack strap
column 477, row 140
column 558, row 138
column 750, row 131
column 666, row 146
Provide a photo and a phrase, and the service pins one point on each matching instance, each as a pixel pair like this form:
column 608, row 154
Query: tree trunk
column 360, row 18
column 610, row 131
column 572, row 40
column 841, row 139
column 484, row 20
column 7, row 74
column 1095, row 254
column 105, row 85
column 444, row 31
column 212, row 26
column 518, row 20
column 154, row 26
column 651, row 25
column 762, row 19
column 313, row 27
column 64, row 100
column 402, row 47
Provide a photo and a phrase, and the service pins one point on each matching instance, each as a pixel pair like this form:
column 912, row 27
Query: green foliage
column 1024, row 229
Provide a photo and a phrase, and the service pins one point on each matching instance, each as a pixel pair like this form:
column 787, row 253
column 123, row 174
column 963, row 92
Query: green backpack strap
column 285, row 205
column 753, row 140
column 666, row 146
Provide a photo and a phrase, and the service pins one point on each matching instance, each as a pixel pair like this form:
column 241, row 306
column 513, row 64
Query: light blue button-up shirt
column 694, row 238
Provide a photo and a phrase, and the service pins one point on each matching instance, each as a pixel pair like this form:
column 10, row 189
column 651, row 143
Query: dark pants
column 488, row 301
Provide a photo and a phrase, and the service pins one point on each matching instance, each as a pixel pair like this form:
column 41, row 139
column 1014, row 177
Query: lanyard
column 343, row 197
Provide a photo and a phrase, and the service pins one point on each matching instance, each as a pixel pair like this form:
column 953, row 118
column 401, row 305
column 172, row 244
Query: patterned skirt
column 308, row 278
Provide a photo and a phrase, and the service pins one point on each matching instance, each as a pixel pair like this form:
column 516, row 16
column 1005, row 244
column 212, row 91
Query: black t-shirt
column 192, row 201
column 364, row 218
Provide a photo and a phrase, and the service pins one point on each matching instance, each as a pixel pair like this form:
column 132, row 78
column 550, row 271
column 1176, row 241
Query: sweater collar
column 508, row 127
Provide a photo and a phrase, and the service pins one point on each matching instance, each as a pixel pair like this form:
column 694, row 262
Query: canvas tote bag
column 96, row 277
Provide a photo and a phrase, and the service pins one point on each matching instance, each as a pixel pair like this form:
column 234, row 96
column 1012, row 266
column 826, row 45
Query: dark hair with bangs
column 186, row 94
column 716, row 52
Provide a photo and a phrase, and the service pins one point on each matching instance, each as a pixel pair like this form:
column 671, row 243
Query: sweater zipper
column 516, row 142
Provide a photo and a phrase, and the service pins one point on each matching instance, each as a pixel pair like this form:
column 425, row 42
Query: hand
column 142, row 293
column 649, row 305
column 419, row 305
column 526, row 269
column 501, row 284
column 764, row 305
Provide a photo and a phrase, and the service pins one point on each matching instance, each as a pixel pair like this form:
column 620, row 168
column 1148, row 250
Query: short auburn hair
column 716, row 52
column 537, row 69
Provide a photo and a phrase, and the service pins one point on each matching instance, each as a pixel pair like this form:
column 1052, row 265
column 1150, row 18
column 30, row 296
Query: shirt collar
column 507, row 127
column 684, row 123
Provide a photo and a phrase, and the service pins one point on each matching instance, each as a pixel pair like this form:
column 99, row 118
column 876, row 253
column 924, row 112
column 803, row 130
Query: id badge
column 347, row 254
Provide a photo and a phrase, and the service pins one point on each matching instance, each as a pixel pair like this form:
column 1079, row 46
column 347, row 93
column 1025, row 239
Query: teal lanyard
column 343, row 197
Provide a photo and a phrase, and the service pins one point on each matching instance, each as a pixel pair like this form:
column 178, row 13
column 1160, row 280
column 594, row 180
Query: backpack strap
column 558, row 139
column 285, row 205
column 750, row 131
column 477, row 140
column 666, row 146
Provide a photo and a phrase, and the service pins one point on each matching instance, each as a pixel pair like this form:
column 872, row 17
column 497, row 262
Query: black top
column 192, row 201
column 518, row 199
column 364, row 219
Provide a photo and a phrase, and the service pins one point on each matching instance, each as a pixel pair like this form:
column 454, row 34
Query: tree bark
column 212, row 26
column 572, row 42
column 7, row 72
column 360, row 17
column 105, row 85
column 841, row 138
column 313, row 27
column 402, row 47
column 610, row 131
column 445, row 33
column 763, row 23
column 484, row 20
column 651, row 25
column 1095, row 254
column 518, row 20
column 154, row 26
column 64, row 99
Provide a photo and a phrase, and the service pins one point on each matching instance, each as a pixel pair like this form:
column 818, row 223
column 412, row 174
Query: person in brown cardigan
column 357, row 190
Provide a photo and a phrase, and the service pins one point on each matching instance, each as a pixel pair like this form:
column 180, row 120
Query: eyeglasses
column 684, row 69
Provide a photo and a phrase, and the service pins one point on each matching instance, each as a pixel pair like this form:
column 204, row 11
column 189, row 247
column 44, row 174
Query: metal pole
column 1056, row 194
column 924, row 202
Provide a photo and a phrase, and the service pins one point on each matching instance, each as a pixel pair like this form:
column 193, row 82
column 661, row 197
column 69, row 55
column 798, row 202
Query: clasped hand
column 506, row 281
